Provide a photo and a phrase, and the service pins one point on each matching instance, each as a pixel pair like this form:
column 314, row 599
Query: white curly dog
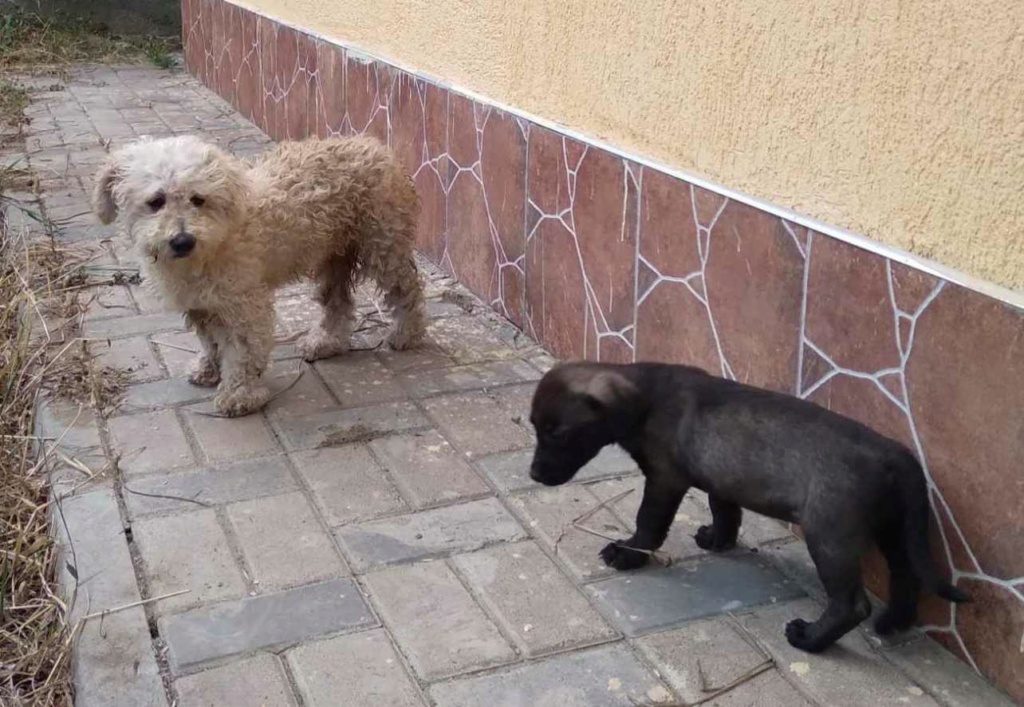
column 218, row 236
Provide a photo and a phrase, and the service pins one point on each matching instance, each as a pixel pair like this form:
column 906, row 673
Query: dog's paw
column 622, row 558
column 705, row 540
column 316, row 346
column 241, row 401
column 798, row 635
column 204, row 372
column 404, row 338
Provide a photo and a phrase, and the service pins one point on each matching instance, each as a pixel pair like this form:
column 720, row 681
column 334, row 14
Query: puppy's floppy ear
column 103, row 203
column 604, row 388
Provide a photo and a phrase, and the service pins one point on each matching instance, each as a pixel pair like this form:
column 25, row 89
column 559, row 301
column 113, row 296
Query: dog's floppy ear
column 103, row 203
column 604, row 388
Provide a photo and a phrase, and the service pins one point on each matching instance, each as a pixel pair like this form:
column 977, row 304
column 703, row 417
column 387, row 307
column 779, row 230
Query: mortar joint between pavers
column 198, row 453
column 285, row 666
column 518, row 647
column 242, row 564
column 375, row 609
column 157, row 643
column 310, row 497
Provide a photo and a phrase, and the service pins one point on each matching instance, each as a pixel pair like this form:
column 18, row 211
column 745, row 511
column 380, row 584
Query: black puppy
column 845, row 484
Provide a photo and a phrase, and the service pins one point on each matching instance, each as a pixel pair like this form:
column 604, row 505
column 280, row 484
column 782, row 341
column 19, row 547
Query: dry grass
column 13, row 99
column 28, row 41
column 40, row 354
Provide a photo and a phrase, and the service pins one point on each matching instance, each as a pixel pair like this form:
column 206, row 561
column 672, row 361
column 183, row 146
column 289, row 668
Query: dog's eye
column 555, row 432
column 197, row 200
column 157, row 202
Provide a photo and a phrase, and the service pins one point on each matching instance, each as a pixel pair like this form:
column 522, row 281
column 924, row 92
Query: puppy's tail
column 914, row 496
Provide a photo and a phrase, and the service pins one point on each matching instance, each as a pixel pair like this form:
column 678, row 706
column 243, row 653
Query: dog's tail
column 914, row 496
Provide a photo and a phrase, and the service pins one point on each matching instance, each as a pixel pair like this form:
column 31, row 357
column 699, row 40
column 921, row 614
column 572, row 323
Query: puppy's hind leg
column 904, row 585
column 837, row 557
column 334, row 292
column 653, row 521
column 721, row 535
column 403, row 295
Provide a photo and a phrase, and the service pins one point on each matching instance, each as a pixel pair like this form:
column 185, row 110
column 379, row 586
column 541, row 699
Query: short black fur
column 846, row 485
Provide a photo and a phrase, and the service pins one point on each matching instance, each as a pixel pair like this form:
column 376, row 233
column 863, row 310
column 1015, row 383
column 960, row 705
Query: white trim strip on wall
column 963, row 279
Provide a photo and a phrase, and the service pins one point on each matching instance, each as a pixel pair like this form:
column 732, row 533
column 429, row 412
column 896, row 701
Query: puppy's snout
column 182, row 244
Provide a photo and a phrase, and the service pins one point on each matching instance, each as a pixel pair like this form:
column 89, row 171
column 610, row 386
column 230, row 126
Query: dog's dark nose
column 182, row 244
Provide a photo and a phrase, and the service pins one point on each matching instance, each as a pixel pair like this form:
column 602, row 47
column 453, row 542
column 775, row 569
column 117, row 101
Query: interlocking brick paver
column 929, row 664
column 266, row 621
column 516, row 400
column 336, row 427
column 306, row 397
column 712, row 653
column 510, row 471
column 477, row 424
column 435, row 620
column 425, row 357
column 114, row 663
column 187, row 551
column 549, row 514
column 283, row 542
column 246, row 683
column 432, row 381
column 427, row 469
column 535, row 603
column 149, row 442
column 71, row 429
column 224, row 438
column 163, row 394
column 428, row 534
column 469, row 339
column 107, row 302
column 132, row 356
column 610, row 676
column 95, row 550
column 654, row 599
column 359, row 378
column 348, row 484
column 123, row 327
column 236, row 481
column 848, row 673
column 349, row 670
column 436, row 309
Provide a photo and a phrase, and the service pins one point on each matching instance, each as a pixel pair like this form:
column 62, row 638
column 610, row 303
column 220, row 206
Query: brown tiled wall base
column 599, row 257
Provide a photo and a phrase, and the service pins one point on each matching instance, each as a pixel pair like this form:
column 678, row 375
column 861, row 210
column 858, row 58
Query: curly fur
column 330, row 210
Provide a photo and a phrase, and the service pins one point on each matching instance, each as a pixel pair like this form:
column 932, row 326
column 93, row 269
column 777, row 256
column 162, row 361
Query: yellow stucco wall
column 899, row 119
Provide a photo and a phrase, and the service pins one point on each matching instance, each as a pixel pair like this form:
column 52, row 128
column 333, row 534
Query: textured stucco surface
column 901, row 121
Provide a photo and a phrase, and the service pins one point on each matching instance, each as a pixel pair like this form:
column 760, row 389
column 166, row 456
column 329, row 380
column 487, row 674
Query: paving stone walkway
column 372, row 536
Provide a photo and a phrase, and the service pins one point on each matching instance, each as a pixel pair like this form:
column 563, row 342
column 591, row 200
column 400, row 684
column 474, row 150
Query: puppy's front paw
column 241, row 401
column 622, row 558
column 705, row 540
column 797, row 635
column 204, row 372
